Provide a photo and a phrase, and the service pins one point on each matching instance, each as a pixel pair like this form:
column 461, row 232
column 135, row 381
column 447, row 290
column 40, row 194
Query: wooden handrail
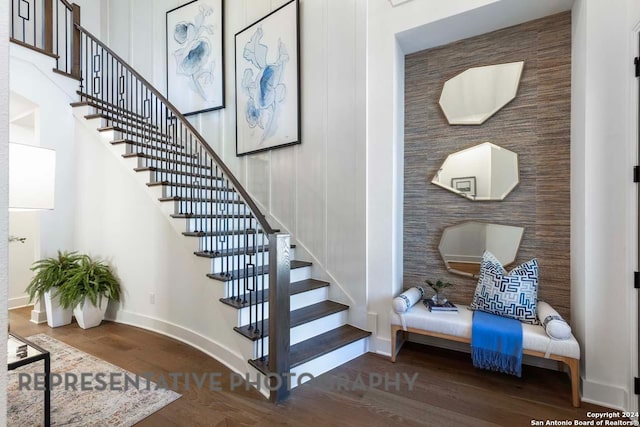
column 239, row 188
column 68, row 5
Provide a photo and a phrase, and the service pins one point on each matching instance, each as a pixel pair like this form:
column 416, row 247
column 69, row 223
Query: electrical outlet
column 152, row 298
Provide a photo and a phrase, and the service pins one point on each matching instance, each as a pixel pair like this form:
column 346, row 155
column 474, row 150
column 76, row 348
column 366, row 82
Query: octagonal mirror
column 482, row 172
column 463, row 245
column 476, row 94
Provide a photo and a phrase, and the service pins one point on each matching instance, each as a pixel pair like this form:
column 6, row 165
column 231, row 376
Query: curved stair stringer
column 198, row 325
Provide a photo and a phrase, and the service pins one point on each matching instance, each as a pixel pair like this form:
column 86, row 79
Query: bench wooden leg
column 395, row 347
column 574, row 369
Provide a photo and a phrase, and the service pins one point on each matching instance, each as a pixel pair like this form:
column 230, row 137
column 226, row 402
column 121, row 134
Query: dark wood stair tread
column 127, row 120
column 298, row 317
column 200, row 187
column 239, row 274
column 200, row 200
column 206, row 216
column 92, row 101
column 263, row 296
column 218, row 233
column 317, row 346
column 165, row 160
column 232, row 252
column 152, row 148
column 176, row 172
column 109, row 108
column 151, row 135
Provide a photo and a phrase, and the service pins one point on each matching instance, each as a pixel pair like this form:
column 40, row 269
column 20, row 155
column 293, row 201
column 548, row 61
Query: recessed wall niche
column 535, row 125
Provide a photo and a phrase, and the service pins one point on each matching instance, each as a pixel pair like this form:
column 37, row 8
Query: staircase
column 287, row 322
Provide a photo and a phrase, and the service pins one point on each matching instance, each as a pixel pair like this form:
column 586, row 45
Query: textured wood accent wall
column 536, row 125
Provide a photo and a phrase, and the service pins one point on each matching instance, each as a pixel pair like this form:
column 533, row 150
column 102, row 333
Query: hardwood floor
column 447, row 391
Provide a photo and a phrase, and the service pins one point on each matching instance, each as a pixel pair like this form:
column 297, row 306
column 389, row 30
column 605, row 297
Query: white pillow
column 552, row 322
column 407, row 299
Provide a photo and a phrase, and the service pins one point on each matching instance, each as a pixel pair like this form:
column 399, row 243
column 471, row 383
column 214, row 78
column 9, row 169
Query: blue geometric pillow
column 513, row 294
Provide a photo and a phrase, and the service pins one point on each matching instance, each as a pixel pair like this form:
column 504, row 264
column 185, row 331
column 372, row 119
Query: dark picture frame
column 267, row 82
column 465, row 185
column 195, row 58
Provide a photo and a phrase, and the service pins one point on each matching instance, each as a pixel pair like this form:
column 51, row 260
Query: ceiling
column 481, row 20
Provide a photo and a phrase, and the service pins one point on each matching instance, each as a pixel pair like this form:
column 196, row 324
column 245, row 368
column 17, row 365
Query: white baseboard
column 18, row 302
column 604, row 395
column 232, row 360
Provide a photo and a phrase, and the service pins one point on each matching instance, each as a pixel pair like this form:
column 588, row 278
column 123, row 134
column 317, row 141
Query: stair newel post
column 279, row 314
column 48, row 27
column 75, row 13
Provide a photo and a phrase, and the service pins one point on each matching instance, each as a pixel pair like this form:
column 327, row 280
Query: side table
column 18, row 356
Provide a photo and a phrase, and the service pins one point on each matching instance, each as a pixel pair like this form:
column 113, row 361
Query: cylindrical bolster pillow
column 407, row 299
column 552, row 322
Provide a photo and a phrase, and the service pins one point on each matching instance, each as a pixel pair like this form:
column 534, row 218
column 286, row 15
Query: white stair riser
column 218, row 224
column 331, row 360
column 220, row 263
column 296, row 301
column 254, row 349
column 305, row 331
column 231, row 287
column 198, row 193
column 156, row 176
column 138, row 124
column 169, row 163
column 209, row 207
column 171, row 157
column 141, row 136
column 214, row 244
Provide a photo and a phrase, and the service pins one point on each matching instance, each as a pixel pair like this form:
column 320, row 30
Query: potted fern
column 50, row 274
column 88, row 289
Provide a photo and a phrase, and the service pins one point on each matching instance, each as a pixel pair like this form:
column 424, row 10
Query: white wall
column 604, row 150
column 315, row 190
column 4, row 202
column 22, row 255
column 23, row 224
column 31, row 77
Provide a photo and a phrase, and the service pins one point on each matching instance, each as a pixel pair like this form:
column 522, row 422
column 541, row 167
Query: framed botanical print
column 268, row 83
column 195, row 67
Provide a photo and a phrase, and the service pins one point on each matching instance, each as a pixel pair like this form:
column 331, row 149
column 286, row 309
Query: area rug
column 102, row 400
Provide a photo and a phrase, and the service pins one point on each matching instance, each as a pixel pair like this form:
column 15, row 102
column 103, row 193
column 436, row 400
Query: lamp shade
column 32, row 172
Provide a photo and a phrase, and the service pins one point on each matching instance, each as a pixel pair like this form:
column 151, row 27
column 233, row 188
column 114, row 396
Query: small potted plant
column 88, row 290
column 50, row 275
column 438, row 287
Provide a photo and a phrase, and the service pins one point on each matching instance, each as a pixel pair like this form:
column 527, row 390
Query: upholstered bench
column 456, row 326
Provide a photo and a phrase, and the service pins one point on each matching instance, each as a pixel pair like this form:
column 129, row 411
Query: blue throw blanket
column 496, row 343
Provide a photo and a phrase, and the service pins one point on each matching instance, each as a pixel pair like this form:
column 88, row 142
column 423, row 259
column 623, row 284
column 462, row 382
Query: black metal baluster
column 35, row 24
column 66, row 37
column 56, row 33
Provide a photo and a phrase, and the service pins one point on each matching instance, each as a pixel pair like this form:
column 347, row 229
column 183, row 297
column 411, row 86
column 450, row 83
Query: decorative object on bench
column 445, row 307
column 438, row 287
column 457, row 327
column 483, row 172
column 474, row 95
column 408, row 299
column 463, row 245
column 496, row 343
column 513, row 294
column 403, row 302
column 554, row 325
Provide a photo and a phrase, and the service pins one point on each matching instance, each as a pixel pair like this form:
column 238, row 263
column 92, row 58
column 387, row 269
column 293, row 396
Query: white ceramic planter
column 88, row 315
column 56, row 315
